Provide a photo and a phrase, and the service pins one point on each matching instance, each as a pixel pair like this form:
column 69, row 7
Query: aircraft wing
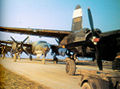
column 37, row 32
column 10, row 42
column 111, row 37
column 7, row 47
column 5, row 42
column 115, row 33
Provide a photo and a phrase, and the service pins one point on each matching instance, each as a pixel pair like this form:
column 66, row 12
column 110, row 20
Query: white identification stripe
column 77, row 13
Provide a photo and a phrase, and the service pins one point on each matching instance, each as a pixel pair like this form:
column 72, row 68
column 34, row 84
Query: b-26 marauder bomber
column 4, row 48
column 16, row 48
column 79, row 42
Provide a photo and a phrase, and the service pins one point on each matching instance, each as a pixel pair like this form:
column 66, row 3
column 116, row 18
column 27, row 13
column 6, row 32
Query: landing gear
column 99, row 61
column 43, row 61
column 19, row 57
column 30, row 57
column 55, row 59
column 3, row 52
column 3, row 55
column 93, row 84
column 15, row 57
column 70, row 66
column 86, row 86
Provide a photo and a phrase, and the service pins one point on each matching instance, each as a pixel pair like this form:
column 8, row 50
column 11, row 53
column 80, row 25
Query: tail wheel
column 70, row 67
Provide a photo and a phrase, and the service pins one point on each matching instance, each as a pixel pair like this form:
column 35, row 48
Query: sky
column 56, row 15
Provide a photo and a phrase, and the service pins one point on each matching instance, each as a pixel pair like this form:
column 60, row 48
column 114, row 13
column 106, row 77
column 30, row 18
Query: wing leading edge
column 37, row 32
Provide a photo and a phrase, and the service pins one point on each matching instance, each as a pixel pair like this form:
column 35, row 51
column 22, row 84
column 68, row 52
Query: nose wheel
column 70, row 66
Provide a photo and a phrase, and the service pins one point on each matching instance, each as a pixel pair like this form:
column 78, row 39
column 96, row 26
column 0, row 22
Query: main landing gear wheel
column 94, row 84
column 86, row 86
column 70, row 67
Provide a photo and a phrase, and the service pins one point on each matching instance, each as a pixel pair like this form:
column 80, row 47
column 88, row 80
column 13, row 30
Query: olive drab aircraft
column 79, row 42
column 15, row 48
column 4, row 48
column 37, row 48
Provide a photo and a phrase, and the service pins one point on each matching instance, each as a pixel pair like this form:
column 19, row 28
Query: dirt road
column 50, row 75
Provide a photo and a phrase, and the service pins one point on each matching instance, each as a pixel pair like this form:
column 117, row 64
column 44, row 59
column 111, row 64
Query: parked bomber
column 4, row 48
column 80, row 42
column 17, row 48
column 38, row 48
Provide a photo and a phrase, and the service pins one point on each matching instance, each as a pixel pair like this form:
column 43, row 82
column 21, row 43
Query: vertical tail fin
column 77, row 19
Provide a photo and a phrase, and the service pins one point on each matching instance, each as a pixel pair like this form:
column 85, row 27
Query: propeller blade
column 99, row 63
column 58, row 41
column 25, row 51
column 13, row 39
column 25, row 39
column 90, row 20
column 98, row 59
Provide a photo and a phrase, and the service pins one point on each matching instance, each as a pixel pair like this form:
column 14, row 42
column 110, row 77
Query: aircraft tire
column 70, row 67
column 93, row 84
column 86, row 85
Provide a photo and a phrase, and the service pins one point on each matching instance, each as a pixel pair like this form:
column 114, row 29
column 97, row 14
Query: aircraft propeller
column 13, row 39
column 25, row 39
column 95, row 37
column 91, row 20
column 95, row 32
column 57, row 40
column 19, row 46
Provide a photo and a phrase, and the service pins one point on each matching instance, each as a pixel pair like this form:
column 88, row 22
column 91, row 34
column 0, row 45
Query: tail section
column 77, row 19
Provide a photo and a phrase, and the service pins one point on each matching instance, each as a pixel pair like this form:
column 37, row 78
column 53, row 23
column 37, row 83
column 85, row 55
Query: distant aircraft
column 80, row 42
column 17, row 48
column 38, row 48
column 4, row 49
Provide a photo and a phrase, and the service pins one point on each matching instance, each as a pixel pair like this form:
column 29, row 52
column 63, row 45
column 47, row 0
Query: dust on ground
column 10, row 80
